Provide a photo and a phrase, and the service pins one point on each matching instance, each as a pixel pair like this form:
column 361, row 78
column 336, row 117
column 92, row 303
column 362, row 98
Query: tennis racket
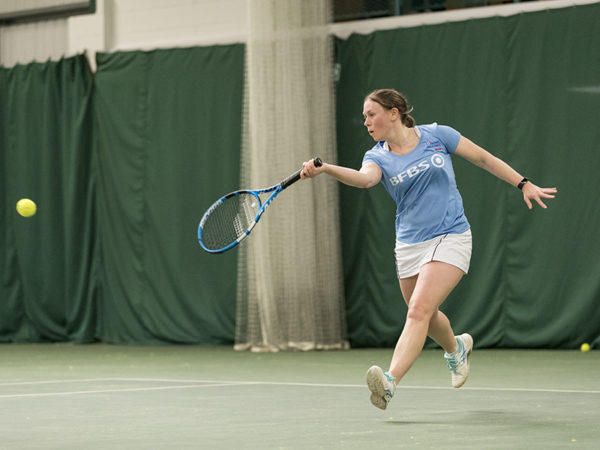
column 231, row 218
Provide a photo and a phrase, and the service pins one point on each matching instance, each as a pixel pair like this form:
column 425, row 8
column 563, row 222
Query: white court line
column 500, row 389
column 32, row 383
column 192, row 384
column 285, row 383
column 440, row 388
column 108, row 391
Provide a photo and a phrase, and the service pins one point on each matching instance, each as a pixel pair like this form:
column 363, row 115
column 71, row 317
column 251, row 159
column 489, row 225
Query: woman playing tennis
column 433, row 236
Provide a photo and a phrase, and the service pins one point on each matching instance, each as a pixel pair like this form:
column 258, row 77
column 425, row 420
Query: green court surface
column 59, row 396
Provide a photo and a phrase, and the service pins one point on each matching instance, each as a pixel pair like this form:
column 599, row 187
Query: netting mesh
column 290, row 291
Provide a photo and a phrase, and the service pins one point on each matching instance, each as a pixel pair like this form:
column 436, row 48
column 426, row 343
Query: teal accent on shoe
column 459, row 348
column 451, row 362
column 390, row 377
column 454, row 360
column 458, row 362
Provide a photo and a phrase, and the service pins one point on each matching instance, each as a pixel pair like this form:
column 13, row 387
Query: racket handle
column 296, row 176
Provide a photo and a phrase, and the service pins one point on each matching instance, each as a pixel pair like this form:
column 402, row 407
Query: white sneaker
column 458, row 362
column 382, row 386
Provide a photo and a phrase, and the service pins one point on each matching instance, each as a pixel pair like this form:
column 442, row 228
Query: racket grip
column 296, row 176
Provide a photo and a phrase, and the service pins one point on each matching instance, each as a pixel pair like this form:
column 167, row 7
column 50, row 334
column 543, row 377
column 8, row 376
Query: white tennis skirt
column 452, row 249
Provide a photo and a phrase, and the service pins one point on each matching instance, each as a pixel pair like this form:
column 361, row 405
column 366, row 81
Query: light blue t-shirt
column 423, row 186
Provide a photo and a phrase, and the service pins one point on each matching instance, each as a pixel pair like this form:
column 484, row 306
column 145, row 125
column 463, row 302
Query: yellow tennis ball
column 585, row 347
column 26, row 207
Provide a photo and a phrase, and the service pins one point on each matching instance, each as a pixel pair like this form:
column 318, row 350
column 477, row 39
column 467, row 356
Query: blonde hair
column 391, row 98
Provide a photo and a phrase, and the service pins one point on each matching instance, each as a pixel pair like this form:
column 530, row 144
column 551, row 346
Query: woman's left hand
column 533, row 192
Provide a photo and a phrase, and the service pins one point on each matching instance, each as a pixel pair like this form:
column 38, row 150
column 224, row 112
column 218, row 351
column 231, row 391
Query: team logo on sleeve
column 436, row 160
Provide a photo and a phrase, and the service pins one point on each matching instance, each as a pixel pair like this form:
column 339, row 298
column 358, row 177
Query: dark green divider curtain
column 48, row 263
column 169, row 131
column 527, row 88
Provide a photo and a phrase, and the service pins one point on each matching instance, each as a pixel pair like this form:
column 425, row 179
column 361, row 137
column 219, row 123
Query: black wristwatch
column 522, row 183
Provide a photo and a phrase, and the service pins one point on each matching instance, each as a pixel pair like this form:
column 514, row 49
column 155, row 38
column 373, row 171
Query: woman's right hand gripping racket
column 231, row 218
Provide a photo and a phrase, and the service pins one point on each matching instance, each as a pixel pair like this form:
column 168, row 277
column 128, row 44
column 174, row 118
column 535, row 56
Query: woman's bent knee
column 419, row 313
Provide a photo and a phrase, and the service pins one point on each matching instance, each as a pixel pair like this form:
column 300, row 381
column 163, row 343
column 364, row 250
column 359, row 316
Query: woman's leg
column 440, row 329
column 432, row 286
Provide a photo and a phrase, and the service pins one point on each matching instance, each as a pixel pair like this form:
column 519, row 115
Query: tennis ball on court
column 26, row 207
column 585, row 347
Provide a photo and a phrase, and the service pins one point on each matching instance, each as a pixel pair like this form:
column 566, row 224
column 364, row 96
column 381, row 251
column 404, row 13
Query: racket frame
column 275, row 189
column 261, row 208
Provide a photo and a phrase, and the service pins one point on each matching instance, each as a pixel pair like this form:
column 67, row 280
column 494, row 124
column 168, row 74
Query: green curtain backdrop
column 122, row 165
column 48, row 263
column 169, row 133
column 527, row 88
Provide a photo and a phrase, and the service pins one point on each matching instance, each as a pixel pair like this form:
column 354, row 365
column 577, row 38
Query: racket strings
column 229, row 220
